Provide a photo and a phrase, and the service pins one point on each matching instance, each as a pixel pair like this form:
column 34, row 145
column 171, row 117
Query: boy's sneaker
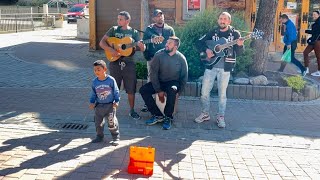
column 166, row 123
column 203, row 117
column 144, row 109
column 134, row 115
column 220, row 121
column 154, row 120
column 97, row 139
column 115, row 142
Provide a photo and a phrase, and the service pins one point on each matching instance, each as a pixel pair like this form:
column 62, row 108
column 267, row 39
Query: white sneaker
column 220, row 121
column 317, row 74
column 305, row 72
column 203, row 117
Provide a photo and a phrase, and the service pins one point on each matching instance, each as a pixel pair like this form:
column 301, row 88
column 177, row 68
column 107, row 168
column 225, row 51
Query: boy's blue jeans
column 207, row 85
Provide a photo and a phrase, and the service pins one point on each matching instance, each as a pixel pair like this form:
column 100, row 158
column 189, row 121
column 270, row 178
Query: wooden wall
column 168, row 8
column 106, row 13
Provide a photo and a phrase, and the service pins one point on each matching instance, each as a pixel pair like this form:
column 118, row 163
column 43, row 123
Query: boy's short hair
column 176, row 40
column 100, row 63
column 317, row 11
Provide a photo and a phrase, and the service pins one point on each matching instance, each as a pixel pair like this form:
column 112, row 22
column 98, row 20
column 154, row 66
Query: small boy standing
column 104, row 100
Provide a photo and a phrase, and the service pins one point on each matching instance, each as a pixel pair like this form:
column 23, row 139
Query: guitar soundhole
column 123, row 46
column 217, row 49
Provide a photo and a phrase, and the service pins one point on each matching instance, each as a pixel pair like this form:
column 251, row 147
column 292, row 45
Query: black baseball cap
column 156, row 12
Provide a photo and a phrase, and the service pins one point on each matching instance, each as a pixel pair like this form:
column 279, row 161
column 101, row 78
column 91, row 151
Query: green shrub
column 296, row 82
column 141, row 69
column 202, row 23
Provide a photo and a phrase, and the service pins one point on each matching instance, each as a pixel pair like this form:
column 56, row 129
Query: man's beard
column 160, row 23
column 223, row 26
column 168, row 50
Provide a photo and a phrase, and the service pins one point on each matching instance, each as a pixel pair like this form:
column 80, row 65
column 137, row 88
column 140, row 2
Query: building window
column 191, row 7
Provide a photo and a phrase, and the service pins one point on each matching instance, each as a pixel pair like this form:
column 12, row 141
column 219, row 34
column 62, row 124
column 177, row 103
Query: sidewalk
column 45, row 81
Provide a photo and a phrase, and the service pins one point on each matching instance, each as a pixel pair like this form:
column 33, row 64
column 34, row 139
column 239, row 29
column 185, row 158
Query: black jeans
column 147, row 91
column 293, row 59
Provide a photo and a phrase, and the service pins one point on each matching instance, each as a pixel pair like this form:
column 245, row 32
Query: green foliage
column 141, row 69
column 245, row 60
column 202, row 23
column 296, row 82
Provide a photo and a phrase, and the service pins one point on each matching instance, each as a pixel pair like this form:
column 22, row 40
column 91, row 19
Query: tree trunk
column 264, row 22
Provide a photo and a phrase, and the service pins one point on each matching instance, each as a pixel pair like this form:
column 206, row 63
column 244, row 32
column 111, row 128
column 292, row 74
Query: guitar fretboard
column 226, row 45
column 147, row 41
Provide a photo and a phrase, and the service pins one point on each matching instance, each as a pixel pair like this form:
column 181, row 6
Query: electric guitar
column 125, row 46
column 218, row 47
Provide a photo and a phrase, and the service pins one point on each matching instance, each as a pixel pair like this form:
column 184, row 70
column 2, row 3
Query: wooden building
column 103, row 15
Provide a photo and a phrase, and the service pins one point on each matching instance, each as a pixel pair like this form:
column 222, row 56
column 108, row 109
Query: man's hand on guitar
column 141, row 46
column 240, row 42
column 210, row 53
column 115, row 53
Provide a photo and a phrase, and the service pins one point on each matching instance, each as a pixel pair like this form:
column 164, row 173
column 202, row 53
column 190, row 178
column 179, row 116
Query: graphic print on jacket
column 103, row 91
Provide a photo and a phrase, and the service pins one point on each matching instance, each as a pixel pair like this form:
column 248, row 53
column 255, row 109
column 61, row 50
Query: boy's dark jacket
column 237, row 50
column 152, row 48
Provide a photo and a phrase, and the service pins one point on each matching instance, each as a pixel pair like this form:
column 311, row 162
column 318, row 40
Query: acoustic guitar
column 219, row 46
column 125, row 46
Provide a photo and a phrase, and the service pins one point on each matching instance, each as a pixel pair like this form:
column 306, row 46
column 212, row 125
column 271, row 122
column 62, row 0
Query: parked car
column 77, row 11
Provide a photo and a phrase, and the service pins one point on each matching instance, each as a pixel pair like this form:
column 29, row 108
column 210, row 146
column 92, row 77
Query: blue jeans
column 207, row 85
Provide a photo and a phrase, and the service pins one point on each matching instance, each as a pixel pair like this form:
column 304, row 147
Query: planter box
column 235, row 91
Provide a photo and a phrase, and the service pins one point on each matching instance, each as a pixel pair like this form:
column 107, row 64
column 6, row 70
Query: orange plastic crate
column 141, row 160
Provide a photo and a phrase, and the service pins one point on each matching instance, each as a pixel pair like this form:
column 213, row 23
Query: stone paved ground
column 44, row 81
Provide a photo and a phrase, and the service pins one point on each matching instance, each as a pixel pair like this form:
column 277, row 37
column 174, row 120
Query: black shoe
column 144, row 109
column 134, row 115
column 97, row 139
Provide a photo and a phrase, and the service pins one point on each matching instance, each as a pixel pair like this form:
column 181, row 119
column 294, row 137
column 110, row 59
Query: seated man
column 168, row 75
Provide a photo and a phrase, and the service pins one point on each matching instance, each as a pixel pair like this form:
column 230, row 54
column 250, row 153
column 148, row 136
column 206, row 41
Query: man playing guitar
column 124, row 68
column 221, row 69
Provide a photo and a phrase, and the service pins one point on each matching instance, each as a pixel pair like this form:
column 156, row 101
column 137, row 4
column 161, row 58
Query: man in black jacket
column 221, row 69
column 158, row 28
column 313, row 42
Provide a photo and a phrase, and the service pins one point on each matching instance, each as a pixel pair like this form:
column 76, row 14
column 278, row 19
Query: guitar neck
column 147, row 41
column 226, row 45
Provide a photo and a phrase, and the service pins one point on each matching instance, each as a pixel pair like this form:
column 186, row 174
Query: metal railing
column 17, row 22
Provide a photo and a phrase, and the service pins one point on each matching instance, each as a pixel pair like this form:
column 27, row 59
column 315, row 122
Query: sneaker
column 166, row 123
column 134, row 115
column 317, row 73
column 115, row 142
column 305, row 72
column 97, row 139
column 203, row 117
column 220, row 121
column 154, row 120
column 144, row 109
